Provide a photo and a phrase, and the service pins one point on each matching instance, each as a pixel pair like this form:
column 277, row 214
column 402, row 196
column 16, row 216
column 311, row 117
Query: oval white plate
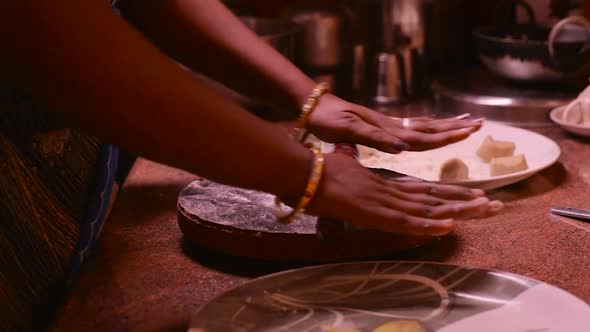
column 577, row 129
column 540, row 152
column 363, row 296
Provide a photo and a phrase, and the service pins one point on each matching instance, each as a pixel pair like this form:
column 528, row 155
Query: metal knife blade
column 571, row 212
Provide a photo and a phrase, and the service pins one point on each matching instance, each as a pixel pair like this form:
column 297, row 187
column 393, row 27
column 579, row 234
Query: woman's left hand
column 336, row 120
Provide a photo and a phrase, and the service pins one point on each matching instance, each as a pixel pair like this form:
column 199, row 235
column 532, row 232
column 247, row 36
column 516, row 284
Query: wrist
column 299, row 95
column 292, row 178
column 311, row 186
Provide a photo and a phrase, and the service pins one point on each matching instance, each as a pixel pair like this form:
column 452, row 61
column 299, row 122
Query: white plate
column 577, row 129
column 540, row 152
column 363, row 296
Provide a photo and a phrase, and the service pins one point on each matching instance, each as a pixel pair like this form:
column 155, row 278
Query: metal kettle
column 398, row 30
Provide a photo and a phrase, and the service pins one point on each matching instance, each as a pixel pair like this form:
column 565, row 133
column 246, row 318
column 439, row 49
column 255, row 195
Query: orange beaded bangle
column 310, row 190
column 299, row 132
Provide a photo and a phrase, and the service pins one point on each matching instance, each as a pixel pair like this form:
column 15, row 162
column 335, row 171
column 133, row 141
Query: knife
column 579, row 214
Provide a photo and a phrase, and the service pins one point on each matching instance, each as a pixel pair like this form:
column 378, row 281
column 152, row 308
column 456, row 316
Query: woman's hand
column 351, row 193
column 335, row 120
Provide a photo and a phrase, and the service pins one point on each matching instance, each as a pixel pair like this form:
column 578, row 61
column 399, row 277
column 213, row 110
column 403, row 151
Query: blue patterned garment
column 99, row 205
column 57, row 185
column 56, row 188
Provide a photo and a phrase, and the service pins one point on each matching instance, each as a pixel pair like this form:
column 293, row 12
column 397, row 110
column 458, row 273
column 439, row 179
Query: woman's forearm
column 100, row 72
column 206, row 36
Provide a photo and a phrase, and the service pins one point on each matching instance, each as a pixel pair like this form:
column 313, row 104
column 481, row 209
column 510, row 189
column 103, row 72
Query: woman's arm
column 80, row 59
column 207, row 37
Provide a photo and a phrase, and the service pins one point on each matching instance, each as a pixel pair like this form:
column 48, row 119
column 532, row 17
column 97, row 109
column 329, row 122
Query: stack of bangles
column 300, row 134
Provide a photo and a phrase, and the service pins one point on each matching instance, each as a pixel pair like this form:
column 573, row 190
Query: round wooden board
column 240, row 222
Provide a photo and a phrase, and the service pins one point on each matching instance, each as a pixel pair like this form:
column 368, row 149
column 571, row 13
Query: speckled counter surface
column 144, row 277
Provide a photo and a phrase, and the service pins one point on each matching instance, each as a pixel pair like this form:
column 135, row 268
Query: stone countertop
column 143, row 276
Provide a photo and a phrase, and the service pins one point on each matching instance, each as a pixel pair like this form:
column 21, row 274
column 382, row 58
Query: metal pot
column 279, row 33
column 534, row 53
column 321, row 39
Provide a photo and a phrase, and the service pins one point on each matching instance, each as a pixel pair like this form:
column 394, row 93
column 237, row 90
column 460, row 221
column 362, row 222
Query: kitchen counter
column 143, row 276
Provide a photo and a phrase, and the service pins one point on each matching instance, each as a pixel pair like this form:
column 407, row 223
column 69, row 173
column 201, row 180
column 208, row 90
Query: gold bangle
column 299, row 132
column 310, row 190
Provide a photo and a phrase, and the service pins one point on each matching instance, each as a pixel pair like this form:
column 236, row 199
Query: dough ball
column 584, row 110
column 573, row 113
column 453, row 170
column 586, row 113
column 491, row 148
column 507, row 165
column 401, row 326
column 585, row 93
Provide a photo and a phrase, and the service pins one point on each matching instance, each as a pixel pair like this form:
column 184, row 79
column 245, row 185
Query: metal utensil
column 400, row 23
column 320, row 39
column 571, row 212
column 389, row 84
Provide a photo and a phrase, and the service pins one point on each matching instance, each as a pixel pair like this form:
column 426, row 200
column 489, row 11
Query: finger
column 434, row 201
column 468, row 209
column 439, row 190
column 461, row 209
column 450, row 209
column 458, row 117
column 462, row 116
column 496, row 206
column 423, row 141
column 394, row 221
column 375, row 137
column 408, row 178
column 419, row 119
column 439, row 126
column 422, row 198
column 378, row 119
column 435, row 194
column 422, row 123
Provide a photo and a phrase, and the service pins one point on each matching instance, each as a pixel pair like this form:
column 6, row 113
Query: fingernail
column 401, row 145
column 496, row 206
column 445, row 226
column 478, row 202
column 447, row 222
column 479, row 120
column 468, row 130
column 478, row 192
column 463, row 116
column 482, row 200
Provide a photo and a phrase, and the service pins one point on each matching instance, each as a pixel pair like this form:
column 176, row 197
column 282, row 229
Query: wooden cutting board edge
column 294, row 247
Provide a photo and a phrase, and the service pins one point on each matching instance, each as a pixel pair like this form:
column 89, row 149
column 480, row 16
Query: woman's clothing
column 57, row 185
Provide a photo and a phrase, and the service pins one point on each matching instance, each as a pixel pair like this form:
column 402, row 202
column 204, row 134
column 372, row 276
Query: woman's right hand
column 351, row 193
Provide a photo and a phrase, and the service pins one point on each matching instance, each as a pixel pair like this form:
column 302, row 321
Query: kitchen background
column 459, row 52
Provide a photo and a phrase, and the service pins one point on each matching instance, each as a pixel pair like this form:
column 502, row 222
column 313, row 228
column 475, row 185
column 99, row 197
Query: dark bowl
column 506, row 49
